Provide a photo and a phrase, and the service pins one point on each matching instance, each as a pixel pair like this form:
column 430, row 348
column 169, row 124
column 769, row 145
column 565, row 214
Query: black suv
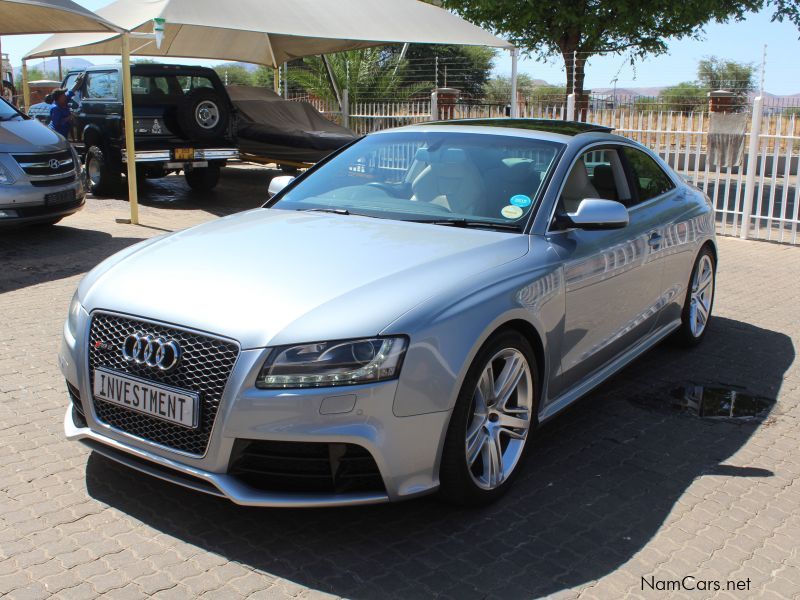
column 183, row 120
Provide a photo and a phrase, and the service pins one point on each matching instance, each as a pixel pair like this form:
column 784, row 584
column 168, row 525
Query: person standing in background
column 60, row 113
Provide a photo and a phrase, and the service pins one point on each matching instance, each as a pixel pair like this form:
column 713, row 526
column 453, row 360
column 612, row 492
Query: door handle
column 655, row 240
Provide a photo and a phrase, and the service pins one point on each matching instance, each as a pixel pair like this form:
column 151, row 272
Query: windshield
column 8, row 112
column 443, row 177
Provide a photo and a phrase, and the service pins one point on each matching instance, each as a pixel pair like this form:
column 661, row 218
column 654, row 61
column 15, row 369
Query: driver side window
column 648, row 177
column 598, row 173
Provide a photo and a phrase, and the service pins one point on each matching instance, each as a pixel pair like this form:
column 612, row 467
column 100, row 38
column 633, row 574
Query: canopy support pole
column 332, row 81
column 127, row 104
column 26, row 88
column 276, row 80
column 514, row 103
column 60, row 69
column 2, row 70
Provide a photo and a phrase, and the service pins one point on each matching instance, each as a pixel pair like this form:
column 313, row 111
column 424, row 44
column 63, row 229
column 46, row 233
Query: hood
column 267, row 276
column 29, row 136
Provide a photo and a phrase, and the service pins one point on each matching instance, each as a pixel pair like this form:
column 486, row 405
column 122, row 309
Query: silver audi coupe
column 395, row 321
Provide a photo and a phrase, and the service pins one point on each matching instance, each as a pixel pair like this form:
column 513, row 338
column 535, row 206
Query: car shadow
column 240, row 188
column 33, row 255
column 598, row 484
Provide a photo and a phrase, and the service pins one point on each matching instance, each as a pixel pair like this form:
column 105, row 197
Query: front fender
column 448, row 331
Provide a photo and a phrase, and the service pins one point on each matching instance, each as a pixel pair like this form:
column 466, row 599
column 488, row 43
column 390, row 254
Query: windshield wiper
column 336, row 211
column 466, row 223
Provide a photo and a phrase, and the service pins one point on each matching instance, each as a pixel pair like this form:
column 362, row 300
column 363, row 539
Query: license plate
column 62, row 197
column 160, row 401
column 184, row 153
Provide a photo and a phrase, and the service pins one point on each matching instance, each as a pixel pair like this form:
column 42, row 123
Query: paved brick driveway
column 618, row 489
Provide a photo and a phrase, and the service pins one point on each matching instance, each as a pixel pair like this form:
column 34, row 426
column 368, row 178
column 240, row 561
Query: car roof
column 568, row 128
column 544, row 129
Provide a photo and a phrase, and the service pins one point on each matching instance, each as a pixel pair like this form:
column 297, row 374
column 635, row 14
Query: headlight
column 5, row 176
column 325, row 364
column 72, row 315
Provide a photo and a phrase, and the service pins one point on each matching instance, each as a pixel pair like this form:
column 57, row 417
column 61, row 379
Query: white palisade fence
column 758, row 199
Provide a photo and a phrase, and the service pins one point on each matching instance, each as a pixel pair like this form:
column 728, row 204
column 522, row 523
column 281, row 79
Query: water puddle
column 727, row 402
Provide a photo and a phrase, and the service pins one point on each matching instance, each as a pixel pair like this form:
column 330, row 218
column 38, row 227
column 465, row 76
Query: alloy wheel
column 702, row 295
column 500, row 418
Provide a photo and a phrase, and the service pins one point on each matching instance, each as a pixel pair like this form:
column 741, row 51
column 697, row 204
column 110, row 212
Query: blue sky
column 742, row 42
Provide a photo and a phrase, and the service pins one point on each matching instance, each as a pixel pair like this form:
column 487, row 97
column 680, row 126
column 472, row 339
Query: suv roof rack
column 549, row 125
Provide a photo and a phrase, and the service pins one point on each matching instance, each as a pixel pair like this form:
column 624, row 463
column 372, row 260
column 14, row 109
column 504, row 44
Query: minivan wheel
column 699, row 300
column 103, row 179
column 203, row 179
column 491, row 421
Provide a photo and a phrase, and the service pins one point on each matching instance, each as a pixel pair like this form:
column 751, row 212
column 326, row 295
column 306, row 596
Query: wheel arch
column 92, row 136
column 711, row 245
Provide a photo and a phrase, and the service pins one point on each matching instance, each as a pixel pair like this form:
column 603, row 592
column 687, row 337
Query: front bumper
column 23, row 204
column 216, row 484
column 405, row 449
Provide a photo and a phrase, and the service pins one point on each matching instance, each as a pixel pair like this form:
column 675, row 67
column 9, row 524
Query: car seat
column 577, row 188
column 603, row 180
column 450, row 180
column 507, row 180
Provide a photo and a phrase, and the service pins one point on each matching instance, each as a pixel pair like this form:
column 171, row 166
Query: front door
column 612, row 277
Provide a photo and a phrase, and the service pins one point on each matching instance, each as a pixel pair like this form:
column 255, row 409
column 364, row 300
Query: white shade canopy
column 48, row 16
column 269, row 32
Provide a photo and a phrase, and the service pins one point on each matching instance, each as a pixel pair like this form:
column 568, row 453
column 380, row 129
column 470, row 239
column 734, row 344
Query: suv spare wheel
column 203, row 114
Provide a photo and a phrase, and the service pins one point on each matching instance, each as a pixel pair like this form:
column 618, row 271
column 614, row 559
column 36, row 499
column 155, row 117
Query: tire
column 103, row 178
column 700, row 293
column 204, row 114
column 473, row 484
column 203, row 179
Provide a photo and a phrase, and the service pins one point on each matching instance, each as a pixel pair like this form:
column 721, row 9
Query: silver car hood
column 29, row 136
column 266, row 277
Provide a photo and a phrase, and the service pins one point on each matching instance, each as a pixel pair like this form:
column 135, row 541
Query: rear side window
column 155, row 86
column 103, row 85
column 188, row 83
column 649, row 178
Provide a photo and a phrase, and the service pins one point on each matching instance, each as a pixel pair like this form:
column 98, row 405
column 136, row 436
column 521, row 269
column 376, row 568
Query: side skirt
column 598, row 377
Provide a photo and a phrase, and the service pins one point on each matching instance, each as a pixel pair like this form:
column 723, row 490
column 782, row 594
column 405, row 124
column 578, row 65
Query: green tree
column 232, row 74
column 718, row 74
column 688, row 96
column 498, row 90
column 588, row 27
column 466, row 68
column 369, row 75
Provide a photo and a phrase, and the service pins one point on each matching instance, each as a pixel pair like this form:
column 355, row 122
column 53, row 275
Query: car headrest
column 423, row 155
column 453, row 156
column 603, row 177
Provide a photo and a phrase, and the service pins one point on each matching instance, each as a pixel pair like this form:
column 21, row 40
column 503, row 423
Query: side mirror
column 277, row 184
column 597, row 214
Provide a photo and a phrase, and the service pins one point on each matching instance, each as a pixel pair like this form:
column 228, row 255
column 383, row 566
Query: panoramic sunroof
column 549, row 125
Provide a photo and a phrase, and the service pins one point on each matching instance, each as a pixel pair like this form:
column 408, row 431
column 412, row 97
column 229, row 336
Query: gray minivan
column 41, row 178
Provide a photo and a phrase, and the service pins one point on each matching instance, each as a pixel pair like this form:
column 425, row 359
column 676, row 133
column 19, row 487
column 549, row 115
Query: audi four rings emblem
column 156, row 352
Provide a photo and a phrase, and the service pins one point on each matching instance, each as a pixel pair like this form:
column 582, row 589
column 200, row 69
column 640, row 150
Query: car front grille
column 310, row 467
column 53, row 181
column 205, row 367
column 51, row 163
